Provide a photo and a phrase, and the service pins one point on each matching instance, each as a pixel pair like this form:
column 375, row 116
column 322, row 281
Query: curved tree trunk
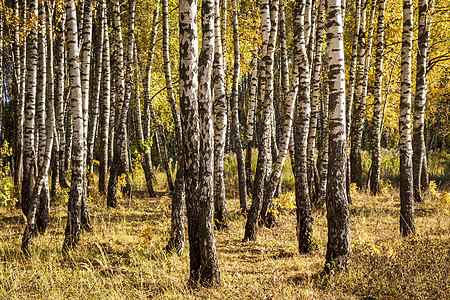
column 419, row 149
column 60, row 107
column 94, row 111
column 121, row 123
column 177, row 231
column 268, row 37
column 351, row 85
column 234, row 113
column 304, row 210
column 41, row 192
column 274, row 179
column 316, row 70
column 358, row 108
column 149, row 115
column 146, row 159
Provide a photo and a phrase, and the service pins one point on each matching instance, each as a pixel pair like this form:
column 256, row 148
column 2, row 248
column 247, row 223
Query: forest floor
column 124, row 257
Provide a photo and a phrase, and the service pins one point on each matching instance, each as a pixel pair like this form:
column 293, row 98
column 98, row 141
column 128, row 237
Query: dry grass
column 123, row 257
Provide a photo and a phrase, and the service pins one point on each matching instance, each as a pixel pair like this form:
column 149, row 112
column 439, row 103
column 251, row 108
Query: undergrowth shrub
column 7, row 198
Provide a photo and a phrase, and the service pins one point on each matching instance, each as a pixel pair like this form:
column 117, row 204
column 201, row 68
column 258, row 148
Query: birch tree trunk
column 375, row 187
column 120, row 131
column 405, row 145
column 268, row 37
column 358, row 109
column 60, row 106
column 40, row 221
column 177, row 231
column 119, row 96
column 220, row 127
column 350, row 95
column 94, row 110
column 338, row 246
column 19, row 67
column 85, row 72
column 73, row 228
column 204, row 267
column 41, row 96
column 322, row 161
column 304, row 210
column 234, row 113
column 207, row 270
column 316, row 70
column 106, row 109
column 251, row 120
column 273, row 181
column 29, row 160
column 149, row 115
column 146, row 159
column 419, row 149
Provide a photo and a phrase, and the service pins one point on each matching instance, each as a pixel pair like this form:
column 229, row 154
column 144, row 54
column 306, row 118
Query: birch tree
column 304, row 210
column 73, row 228
column 19, row 66
column 29, row 163
column 41, row 96
column 273, row 180
column 338, row 246
column 251, row 119
column 269, row 15
column 220, row 126
column 106, row 108
column 97, row 79
column 195, row 84
column 146, row 159
column 419, row 149
column 120, row 130
column 60, row 106
column 405, row 145
column 358, row 107
column 177, row 236
column 315, row 86
column 375, row 187
column 234, row 113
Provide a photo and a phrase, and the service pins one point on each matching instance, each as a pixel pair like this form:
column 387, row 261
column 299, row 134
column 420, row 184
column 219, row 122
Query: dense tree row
column 91, row 81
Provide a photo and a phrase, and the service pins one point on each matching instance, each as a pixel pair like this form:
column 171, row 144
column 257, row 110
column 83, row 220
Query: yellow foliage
column 121, row 182
column 432, row 188
column 353, row 189
column 62, row 195
column 286, row 201
column 446, row 201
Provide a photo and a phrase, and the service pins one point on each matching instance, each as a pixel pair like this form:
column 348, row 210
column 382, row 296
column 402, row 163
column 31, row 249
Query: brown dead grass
column 123, row 257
